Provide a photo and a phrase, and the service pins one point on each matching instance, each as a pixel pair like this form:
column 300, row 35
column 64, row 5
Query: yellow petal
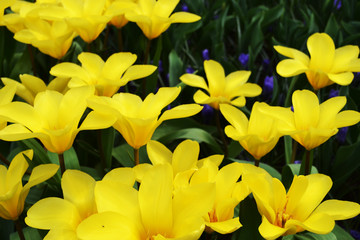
column 343, row 58
column 21, row 90
column 17, row 168
column 202, row 98
column 343, row 79
column 16, row 132
column 61, row 234
column 238, row 102
column 7, row 93
column 237, row 78
column 338, row 210
column 19, row 112
column 249, row 90
column 107, row 226
column 52, row 213
column 194, row 81
column 67, row 69
column 116, row 65
column 140, row 170
column 270, row 231
column 225, row 227
column 306, row 109
column 316, row 223
column 95, row 120
column 215, row 75
column 322, row 51
column 293, row 53
column 226, row 180
column 184, row 17
column 235, row 117
column 347, row 118
column 185, row 156
column 155, row 200
column 181, row 111
column 40, row 174
column 138, row 71
column 122, row 175
column 329, row 110
column 78, row 188
column 158, row 153
column 290, row 68
column 215, row 159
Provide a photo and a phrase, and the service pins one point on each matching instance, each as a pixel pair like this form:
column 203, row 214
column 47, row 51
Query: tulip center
column 281, row 217
column 212, row 216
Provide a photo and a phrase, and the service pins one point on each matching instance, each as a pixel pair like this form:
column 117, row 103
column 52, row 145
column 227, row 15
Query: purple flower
column 333, row 93
column 297, row 161
column 337, row 4
column 207, row 113
column 244, row 59
column 206, row 54
column 292, row 108
column 341, row 135
column 160, row 67
column 355, row 234
column 268, row 86
column 190, row 70
column 184, row 7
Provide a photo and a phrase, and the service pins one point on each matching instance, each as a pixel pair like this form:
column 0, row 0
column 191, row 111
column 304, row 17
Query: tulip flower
column 326, row 64
column 3, row 5
column 154, row 16
column 107, row 77
column 30, row 86
column 311, row 124
column 12, row 191
column 153, row 212
column 62, row 216
column 6, row 95
column 117, row 9
column 298, row 209
column 137, row 119
column 257, row 135
column 231, row 89
column 53, row 119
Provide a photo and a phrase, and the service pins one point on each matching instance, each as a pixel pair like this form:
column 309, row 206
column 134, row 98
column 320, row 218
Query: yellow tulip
column 137, row 119
column 3, row 5
column 30, row 86
column 53, row 119
column 12, row 191
column 117, row 9
column 326, row 64
column 257, row 135
column 311, row 124
column 299, row 209
column 107, row 77
column 6, row 95
column 231, row 89
column 154, row 16
column 153, row 212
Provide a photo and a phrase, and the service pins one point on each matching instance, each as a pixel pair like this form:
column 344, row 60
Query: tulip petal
column 338, row 210
column 184, row 17
column 66, row 70
column 306, row 109
column 343, row 57
column 226, row 180
column 95, row 120
column 16, row 132
column 215, row 75
column 107, row 226
column 140, row 170
column 225, row 227
column 158, row 153
column 52, row 213
column 347, row 118
column 185, row 156
column 138, row 71
column 181, row 111
column 316, row 223
column 270, row 231
column 61, row 234
column 238, row 102
column 343, row 79
column 122, row 175
column 155, row 200
column 40, row 174
column 215, row 159
column 329, row 110
column 290, row 68
column 322, row 51
column 202, row 98
column 235, row 117
column 116, row 65
column 194, row 81
column 293, row 53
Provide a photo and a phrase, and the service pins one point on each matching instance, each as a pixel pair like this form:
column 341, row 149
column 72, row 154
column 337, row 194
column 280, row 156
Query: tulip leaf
column 341, row 234
column 124, row 154
column 311, row 236
column 70, row 158
column 29, row 233
column 288, row 148
column 5, row 228
column 175, row 68
column 107, row 142
column 40, row 155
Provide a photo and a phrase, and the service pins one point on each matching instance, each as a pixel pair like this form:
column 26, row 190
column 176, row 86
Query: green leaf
column 175, row 68
column 70, row 158
column 29, row 233
column 107, row 142
column 6, row 227
column 311, row 236
column 341, row 234
column 288, row 148
column 332, row 27
column 124, row 154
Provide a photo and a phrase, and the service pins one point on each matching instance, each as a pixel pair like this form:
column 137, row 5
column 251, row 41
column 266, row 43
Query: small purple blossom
column 207, row 113
column 292, row 108
column 297, row 161
column 355, row 234
column 160, row 66
column 337, row 4
column 341, row 135
column 206, row 54
column 184, row 7
column 268, row 86
column 244, row 59
column 189, row 70
column 333, row 93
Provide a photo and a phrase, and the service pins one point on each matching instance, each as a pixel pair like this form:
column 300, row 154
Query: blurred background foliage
column 228, row 29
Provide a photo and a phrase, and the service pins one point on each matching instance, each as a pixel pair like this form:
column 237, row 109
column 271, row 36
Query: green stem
column 221, row 132
column 293, row 154
column 120, row 40
column 19, row 229
column 290, row 91
column 308, row 162
column 101, row 150
column 145, row 61
column 32, row 59
column 106, row 38
column 62, row 163
column 257, row 162
column 136, row 156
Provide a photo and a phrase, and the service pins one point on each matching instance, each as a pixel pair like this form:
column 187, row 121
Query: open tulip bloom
column 154, row 16
column 12, row 191
column 311, row 124
column 326, row 64
column 107, row 77
column 53, row 119
column 231, row 89
column 137, row 120
column 298, row 209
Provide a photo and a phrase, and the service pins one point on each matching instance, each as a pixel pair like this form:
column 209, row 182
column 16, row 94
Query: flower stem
column 120, row 40
column 19, row 229
column 308, row 162
column 32, row 59
column 101, row 151
column 62, row 163
column 136, row 156
column 221, row 132
column 293, row 154
column 145, row 61
column 257, row 162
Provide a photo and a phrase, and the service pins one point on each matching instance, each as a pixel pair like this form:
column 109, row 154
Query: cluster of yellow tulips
column 177, row 196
